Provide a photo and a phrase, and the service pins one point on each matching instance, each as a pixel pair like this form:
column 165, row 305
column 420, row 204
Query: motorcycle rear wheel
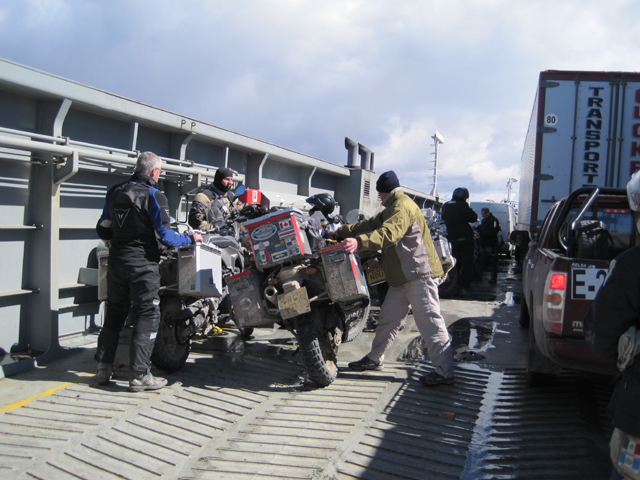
column 169, row 352
column 318, row 356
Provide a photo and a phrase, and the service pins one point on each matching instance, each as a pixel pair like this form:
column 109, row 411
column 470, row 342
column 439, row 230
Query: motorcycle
column 194, row 297
column 448, row 285
column 304, row 283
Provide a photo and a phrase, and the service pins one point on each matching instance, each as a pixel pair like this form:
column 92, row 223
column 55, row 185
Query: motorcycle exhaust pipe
column 271, row 294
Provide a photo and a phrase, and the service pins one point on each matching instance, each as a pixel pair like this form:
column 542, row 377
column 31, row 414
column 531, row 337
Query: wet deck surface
column 243, row 410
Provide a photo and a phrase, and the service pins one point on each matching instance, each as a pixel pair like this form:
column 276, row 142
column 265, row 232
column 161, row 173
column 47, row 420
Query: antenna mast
column 437, row 140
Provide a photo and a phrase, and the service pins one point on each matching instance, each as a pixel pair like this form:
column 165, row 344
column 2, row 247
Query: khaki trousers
column 421, row 295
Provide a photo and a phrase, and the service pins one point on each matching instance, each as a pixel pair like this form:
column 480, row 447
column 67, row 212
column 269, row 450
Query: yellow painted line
column 23, row 402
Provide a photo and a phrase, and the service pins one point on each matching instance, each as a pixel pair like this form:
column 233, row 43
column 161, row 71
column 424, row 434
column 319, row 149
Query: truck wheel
column 319, row 355
column 449, row 287
column 171, row 349
column 524, row 314
column 535, row 358
column 356, row 321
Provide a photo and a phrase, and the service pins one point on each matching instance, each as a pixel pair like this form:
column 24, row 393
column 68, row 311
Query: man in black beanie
column 411, row 266
column 214, row 202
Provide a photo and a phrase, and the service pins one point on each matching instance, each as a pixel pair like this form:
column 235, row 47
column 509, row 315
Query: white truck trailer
column 584, row 131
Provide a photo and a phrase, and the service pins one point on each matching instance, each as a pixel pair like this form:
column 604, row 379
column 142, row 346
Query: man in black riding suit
column 489, row 243
column 213, row 203
column 135, row 222
column 611, row 328
column 457, row 214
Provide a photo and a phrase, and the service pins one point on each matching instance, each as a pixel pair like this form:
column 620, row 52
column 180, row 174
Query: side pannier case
column 346, row 281
column 278, row 237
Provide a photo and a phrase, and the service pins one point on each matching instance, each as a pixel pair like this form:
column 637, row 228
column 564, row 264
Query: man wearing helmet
column 411, row 265
column 457, row 214
column 611, row 328
column 213, row 203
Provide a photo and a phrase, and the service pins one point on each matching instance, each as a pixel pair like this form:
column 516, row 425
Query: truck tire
column 524, row 314
column 318, row 356
column 449, row 287
column 356, row 321
column 170, row 352
column 536, row 362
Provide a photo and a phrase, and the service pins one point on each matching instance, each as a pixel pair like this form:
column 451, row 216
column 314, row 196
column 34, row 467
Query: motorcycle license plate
column 294, row 303
column 375, row 275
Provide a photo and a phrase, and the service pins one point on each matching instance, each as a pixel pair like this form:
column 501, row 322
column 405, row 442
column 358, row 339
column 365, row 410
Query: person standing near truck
column 411, row 266
column 489, row 243
column 611, row 328
column 214, row 202
column 135, row 221
column 457, row 215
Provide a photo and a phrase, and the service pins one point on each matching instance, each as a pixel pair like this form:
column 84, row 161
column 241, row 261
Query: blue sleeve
column 157, row 205
column 103, row 228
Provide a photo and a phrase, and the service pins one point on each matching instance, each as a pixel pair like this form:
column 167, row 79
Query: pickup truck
column 567, row 262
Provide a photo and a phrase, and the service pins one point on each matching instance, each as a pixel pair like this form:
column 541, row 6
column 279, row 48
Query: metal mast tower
column 510, row 183
column 437, row 140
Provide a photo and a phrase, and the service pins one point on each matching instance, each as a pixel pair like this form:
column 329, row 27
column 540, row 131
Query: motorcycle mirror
column 240, row 190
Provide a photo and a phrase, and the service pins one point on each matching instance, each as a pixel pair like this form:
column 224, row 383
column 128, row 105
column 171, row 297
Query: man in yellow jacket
column 411, row 266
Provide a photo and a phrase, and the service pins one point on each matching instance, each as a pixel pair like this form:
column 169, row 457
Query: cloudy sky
column 304, row 74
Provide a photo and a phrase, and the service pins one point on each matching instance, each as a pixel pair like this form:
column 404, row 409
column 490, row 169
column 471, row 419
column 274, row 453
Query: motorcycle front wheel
column 356, row 321
column 319, row 352
column 170, row 351
column 449, row 287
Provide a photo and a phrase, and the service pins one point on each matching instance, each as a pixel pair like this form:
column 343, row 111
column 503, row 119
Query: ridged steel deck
column 251, row 417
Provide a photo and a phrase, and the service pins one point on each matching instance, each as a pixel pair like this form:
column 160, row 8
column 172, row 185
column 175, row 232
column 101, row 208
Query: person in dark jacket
column 489, row 243
column 611, row 328
column 457, row 214
column 213, row 203
column 135, row 222
column 411, row 266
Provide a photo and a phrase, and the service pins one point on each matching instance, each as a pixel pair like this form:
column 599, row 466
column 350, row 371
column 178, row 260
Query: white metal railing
column 91, row 154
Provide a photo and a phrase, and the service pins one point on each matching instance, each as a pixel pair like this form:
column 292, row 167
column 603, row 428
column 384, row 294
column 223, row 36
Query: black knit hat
column 221, row 174
column 387, row 182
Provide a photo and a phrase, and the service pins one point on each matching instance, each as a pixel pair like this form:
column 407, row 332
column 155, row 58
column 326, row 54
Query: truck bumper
column 576, row 354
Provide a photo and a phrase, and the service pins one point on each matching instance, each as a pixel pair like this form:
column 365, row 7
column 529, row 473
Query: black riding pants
column 462, row 250
column 134, row 286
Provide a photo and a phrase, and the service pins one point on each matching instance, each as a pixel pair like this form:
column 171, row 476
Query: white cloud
column 304, row 74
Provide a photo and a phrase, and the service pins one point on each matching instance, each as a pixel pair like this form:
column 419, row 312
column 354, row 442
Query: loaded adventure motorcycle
column 304, row 283
column 194, row 297
column 449, row 282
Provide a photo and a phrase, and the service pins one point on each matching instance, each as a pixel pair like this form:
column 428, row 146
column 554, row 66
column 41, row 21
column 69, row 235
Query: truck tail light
column 553, row 302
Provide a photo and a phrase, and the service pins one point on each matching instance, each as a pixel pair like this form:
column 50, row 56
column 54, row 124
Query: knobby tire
column 356, row 321
column 168, row 353
column 322, row 371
